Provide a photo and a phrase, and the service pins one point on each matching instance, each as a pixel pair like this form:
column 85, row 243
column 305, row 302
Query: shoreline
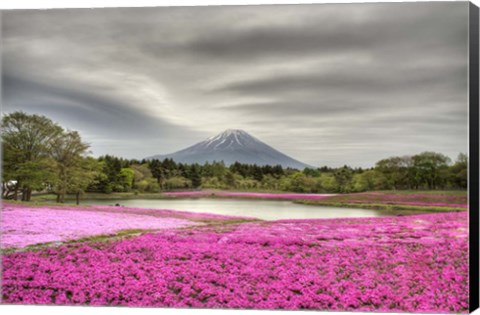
column 196, row 219
column 429, row 201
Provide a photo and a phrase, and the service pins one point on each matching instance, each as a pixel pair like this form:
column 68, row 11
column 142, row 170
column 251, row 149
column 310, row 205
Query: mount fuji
column 232, row 146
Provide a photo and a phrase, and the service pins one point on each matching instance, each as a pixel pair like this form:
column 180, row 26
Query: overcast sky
column 328, row 84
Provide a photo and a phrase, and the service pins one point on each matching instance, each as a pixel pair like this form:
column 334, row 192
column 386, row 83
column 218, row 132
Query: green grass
column 100, row 196
column 405, row 209
column 425, row 192
column 132, row 195
column 383, row 201
column 341, row 200
column 51, row 198
column 93, row 238
column 43, row 203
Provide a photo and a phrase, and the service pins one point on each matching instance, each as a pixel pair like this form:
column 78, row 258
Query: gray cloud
column 106, row 121
column 327, row 84
column 384, row 31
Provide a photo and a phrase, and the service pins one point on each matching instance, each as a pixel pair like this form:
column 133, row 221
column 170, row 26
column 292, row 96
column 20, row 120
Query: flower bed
column 395, row 264
column 24, row 225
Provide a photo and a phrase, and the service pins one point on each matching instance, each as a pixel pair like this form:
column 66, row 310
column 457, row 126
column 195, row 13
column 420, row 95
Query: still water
column 262, row 209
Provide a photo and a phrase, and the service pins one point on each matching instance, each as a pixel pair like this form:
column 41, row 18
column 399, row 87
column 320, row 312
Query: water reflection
column 262, row 209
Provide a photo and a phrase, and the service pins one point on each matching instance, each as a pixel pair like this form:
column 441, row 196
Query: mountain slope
column 233, row 146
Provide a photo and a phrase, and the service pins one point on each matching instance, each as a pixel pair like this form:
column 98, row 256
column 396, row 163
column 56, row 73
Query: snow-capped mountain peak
column 230, row 146
column 230, row 138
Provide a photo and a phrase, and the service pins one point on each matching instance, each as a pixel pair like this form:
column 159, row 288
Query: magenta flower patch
column 22, row 225
column 389, row 264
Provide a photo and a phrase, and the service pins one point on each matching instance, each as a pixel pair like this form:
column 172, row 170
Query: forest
column 40, row 156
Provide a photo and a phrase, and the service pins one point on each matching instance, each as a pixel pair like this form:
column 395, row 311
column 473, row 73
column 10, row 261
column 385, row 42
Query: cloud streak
column 327, row 84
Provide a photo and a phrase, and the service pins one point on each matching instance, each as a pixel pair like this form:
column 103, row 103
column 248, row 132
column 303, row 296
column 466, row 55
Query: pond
column 262, row 209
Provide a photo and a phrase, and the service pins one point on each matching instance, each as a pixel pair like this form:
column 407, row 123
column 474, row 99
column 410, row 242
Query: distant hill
column 232, row 146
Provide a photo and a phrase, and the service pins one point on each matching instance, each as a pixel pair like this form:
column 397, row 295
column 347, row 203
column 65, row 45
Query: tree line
column 39, row 155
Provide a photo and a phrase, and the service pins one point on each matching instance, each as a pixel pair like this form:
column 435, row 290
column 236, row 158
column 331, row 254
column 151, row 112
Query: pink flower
column 386, row 264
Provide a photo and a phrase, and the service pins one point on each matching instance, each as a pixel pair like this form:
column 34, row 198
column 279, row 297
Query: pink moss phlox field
column 391, row 264
column 247, row 195
column 22, row 225
column 165, row 213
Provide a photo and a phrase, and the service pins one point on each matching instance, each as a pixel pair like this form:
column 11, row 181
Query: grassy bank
column 405, row 209
column 100, row 196
column 424, row 192
column 409, row 202
column 394, row 201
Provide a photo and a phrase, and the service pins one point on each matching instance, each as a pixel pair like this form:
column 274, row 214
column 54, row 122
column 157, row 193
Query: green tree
column 429, row 166
column 459, row 172
column 313, row 172
column 394, row 170
column 126, row 178
column 194, row 175
column 299, row 182
column 67, row 151
column 82, row 176
column 177, row 182
column 328, row 183
column 142, row 177
column 365, row 181
column 269, row 182
column 28, row 141
column 343, row 177
column 35, row 176
column 157, row 170
column 230, row 180
column 109, row 179
column 10, row 183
